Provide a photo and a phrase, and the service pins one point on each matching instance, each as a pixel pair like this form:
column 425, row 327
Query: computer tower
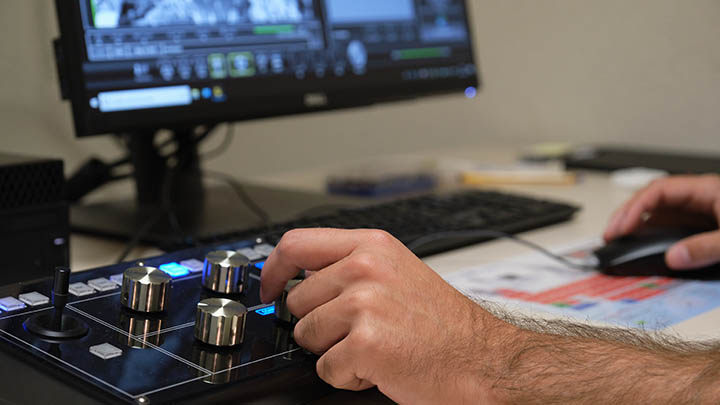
column 34, row 223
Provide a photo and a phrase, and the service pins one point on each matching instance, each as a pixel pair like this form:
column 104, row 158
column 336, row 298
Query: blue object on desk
column 383, row 187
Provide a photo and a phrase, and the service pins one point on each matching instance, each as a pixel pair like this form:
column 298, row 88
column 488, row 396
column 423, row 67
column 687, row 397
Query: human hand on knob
column 378, row 316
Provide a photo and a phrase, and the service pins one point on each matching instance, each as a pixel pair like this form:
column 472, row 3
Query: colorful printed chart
column 537, row 283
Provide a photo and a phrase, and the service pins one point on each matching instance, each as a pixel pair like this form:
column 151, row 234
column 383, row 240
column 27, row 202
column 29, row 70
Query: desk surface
column 595, row 193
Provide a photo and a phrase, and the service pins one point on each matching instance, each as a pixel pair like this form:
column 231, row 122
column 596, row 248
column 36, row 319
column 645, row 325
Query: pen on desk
column 481, row 178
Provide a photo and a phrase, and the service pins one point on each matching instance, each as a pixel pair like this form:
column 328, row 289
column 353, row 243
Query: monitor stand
column 174, row 208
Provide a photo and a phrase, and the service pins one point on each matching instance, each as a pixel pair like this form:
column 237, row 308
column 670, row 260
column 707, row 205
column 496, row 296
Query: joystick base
column 44, row 325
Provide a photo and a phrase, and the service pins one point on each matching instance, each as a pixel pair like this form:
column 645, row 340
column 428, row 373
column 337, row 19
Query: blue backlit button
column 106, row 351
column 251, row 254
column 34, row 299
column 260, row 265
column 102, row 284
column 264, row 249
column 117, row 279
column 195, row 266
column 81, row 289
column 266, row 311
column 9, row 304
column 175, row 270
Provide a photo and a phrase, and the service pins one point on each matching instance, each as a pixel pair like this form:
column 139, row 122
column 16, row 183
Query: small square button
column 34, row 299
column 117, row 279
column 250, row 254
column 174, row 269
column 81, row 289
column 10, row 304
column 195, row 266
column 264, row 249
column 102, row 284
column 106, row 351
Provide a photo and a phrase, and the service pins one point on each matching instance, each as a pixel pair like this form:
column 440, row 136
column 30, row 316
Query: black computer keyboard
column 438, row 214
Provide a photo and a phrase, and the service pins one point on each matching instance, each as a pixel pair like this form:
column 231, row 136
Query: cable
column 166, row 208
column 424, row 240
column 224, row 146
column 239, row 190
column 135, row 240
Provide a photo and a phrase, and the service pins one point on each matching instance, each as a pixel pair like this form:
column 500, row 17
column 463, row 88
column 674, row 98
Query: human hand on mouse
column 680, row 201
column 379, row 316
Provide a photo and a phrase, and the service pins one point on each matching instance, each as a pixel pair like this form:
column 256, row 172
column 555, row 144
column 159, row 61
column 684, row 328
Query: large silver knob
column 282, row 312
column 145, row 289
column 220, row 322
column 226, row 272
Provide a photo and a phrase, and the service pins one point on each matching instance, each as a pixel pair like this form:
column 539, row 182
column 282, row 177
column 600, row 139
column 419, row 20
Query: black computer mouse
column 643, row 254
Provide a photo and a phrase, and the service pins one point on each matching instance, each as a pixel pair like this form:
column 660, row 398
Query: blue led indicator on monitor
column 471, row 92
column 175, row 270
column 266, row 311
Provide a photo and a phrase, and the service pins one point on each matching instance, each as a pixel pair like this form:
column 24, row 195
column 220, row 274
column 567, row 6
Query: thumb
column 695, row 252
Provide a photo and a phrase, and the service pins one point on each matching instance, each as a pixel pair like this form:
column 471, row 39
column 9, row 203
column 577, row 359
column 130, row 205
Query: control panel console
column 164, row 329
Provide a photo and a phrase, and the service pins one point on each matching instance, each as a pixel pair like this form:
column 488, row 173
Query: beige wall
column 639, row 71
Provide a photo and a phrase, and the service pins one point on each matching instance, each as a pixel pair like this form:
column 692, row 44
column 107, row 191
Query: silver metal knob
column 282, row 312
column 220, row 322
column 226, row 272
column 145, row 289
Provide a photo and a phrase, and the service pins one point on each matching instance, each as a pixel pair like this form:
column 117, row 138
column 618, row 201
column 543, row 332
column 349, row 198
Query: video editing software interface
column 149, row 54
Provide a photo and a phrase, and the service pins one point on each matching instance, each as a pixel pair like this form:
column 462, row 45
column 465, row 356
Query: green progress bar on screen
column 421, row 53
column 273, row 29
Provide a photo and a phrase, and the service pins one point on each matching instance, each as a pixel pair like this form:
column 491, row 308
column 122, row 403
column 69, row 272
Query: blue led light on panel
column 260, row 265
column 266, row 311
column 175, row 270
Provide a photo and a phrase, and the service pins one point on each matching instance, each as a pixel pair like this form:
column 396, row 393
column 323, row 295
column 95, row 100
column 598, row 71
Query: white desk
column 595, row 193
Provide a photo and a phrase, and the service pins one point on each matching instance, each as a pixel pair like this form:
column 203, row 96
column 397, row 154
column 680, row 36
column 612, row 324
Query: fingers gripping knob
column 226, row 272
column 282, row 312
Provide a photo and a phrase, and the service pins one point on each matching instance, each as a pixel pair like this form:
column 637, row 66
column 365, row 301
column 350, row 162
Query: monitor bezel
column 71, row 59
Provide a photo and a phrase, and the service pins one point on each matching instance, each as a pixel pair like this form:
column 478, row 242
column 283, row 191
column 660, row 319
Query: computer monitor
column 137, row 66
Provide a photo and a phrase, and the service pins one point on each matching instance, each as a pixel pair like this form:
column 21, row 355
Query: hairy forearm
column 556, row 362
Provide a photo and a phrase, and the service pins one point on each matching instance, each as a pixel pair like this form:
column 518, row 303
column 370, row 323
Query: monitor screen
column 148, row 64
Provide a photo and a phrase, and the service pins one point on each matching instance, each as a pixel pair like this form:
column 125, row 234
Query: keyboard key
column 10, row 304
column 34, row 299
column 195, row 266
column 106, row 351
column 251, row 254
column 102, row 284
column 81, row 289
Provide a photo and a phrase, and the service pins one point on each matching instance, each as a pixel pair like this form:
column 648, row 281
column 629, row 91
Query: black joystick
column 56, row 325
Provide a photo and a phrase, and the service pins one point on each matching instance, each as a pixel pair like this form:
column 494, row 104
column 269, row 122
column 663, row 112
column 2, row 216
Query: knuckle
column 360, row 301
column 381, row 237
column 289, row 242
column 326, row 370
column 304, row 332
column 363, row 263
column 364, row 339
